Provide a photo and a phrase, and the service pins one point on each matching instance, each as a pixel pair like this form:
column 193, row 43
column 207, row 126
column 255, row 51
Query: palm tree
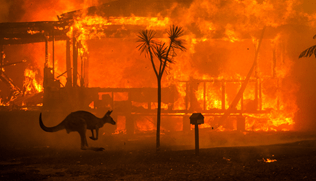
column 309, row 51
column 165, row 54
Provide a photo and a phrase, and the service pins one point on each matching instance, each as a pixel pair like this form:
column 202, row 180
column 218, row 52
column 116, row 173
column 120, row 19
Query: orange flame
column 204, row 21
column 30, row 83
column 268, row 160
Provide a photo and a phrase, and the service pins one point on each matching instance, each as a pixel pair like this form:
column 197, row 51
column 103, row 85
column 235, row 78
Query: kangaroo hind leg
column 82, row 133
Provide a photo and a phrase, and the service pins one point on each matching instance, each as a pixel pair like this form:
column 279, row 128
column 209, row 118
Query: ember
column 268, row 160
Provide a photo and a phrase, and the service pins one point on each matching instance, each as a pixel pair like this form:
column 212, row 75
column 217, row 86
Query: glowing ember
column 268, row 160
column 32, row 32
column 227, row 159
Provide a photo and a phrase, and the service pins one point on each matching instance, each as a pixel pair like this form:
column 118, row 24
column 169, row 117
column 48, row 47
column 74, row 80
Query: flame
column 32, row 32
column 92, row 27
column 91, row 105
column 179, row 104
column 231, row 34
column 30, row 84
column 268, row 160
column 209, row 30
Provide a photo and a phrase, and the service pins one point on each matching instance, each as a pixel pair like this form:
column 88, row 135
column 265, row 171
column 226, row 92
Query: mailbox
column 196, row 118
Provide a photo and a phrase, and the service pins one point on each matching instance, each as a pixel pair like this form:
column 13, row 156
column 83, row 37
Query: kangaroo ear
column 109, row 112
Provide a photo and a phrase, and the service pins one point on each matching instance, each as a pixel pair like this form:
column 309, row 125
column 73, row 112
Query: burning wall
column 221, row 37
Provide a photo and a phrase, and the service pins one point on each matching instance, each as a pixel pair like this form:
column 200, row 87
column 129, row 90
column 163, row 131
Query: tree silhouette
column 165, row 54
column 309, row 51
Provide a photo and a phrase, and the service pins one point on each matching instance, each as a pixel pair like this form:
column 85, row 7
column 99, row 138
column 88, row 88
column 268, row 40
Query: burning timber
column 259, row 107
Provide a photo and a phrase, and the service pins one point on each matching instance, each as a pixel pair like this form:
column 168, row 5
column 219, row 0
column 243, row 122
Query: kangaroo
column 80, row 121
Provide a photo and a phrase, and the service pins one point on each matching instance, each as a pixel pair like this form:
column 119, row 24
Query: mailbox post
column 196, row 119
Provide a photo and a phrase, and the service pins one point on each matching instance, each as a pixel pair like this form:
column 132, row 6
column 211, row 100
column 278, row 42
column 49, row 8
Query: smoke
column 21, row 129
column 304, row 73
column 11, row 11
column 4, row 10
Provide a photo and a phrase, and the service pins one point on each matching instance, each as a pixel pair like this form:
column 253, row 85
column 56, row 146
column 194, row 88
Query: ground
column 292, row 161
column 29, row 153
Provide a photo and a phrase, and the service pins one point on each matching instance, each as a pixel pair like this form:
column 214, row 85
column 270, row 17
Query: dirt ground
column 28, row 153
column 292, row 161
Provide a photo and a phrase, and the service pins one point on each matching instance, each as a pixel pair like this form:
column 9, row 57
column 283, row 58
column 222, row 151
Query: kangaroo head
column 108, row 119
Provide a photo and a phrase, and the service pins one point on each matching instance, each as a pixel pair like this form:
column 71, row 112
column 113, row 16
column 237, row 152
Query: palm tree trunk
column 158, row 115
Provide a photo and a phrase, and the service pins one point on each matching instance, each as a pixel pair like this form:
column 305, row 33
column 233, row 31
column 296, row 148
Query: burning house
column 87, row 59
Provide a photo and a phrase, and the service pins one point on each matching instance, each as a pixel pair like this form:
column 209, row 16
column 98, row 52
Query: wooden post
column 197, row 149
column 68, row 63
column 196, row 119
column 53, row 49
column 46, row 70
column 86, row 70
column 75, row 59
column 46, row 52
column 82, row 71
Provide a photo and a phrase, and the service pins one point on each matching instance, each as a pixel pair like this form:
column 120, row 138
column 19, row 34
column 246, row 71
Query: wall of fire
column 96, row 68
column 135, row 108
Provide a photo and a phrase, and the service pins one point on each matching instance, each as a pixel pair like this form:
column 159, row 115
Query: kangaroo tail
column 50, row 129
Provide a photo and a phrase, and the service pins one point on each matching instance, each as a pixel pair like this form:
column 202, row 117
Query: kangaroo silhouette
column 80, row 121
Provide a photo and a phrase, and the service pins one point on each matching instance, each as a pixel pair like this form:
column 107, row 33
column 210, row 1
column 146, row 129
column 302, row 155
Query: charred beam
column 75, row 59
column 68, row 63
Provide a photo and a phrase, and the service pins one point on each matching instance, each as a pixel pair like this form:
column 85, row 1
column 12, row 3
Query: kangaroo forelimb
column 97, row 134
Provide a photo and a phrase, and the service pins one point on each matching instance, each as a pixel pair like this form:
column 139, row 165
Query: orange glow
column 220, row 128
column 120, row 125
column 92, row 27
column 220, row 51
column 91, row 105
column 179, row 104
column 32, row 32
column 268, row 160
column 154, row 105
column 30, row 84
column 120, row 96
column 144, row 124
column 143, row 105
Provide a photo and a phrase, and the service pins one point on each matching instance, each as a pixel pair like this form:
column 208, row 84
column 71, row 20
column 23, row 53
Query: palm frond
column 179, row 44
column 308, row 52
column 175, row 32
column 145, row 38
